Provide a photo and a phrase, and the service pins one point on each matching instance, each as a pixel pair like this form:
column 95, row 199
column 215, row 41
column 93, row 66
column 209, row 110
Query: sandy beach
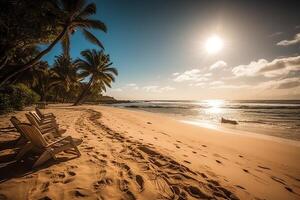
column 130, row 154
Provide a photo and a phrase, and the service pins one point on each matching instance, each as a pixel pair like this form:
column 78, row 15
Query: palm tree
column 45, row 79
column 67, row 74
column 96, row 66
column 74, row 15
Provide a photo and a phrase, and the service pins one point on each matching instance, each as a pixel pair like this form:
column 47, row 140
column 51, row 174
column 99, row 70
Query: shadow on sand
column 10, row 168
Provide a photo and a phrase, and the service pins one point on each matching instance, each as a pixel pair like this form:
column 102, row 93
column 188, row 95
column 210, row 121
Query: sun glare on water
column 214, row 106
column 214, row 44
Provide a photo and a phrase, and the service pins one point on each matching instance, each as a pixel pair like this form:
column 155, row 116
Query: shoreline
column 245, row 133
column 223, row 128
column 132, row 149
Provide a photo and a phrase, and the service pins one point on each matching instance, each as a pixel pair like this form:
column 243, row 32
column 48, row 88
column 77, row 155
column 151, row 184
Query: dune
column 130, row 154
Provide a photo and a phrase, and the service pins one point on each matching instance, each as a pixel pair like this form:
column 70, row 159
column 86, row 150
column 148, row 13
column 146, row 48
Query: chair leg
column 77, row 150
column 27, row 147
column 46, row 155
column 21, row 140
column 75, row 147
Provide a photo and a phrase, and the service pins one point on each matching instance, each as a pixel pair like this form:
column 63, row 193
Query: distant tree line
column 25, row 25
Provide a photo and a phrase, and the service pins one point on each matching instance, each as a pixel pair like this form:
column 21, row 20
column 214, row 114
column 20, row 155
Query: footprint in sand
column 61, row 175
column 140, row 182
column 196, row 192
column 81, row 192
column 187, row 161
column 245, row 170
column 104, row 155
column 194, row 152
column 71, row 173
column 203, row 145
column 69, row 180
column 44, row 187
column 218, row 161
column 289, row 189
column 279, row 180
column 262, row 167
column 43, row 198
column 123, row 185
column 241, row 187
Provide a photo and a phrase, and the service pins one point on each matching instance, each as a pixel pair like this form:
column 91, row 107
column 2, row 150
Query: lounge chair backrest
column 32, row 120
column 15, row 121
column 34, row 135
column 35, row 115
column 39, row 113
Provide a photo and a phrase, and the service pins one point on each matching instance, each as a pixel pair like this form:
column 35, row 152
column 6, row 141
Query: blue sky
column 158, row 48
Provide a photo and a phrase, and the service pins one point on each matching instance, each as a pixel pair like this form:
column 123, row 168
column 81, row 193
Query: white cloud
column 218, row 65
column 281, row 84
column 157, row 89
column 175, row 74
column 216, row 83
column 132, row 86
column 197, row 84
column 249, row 70
column 193, row 75
column 231, row 86
column 275, row 68
column 290, row 42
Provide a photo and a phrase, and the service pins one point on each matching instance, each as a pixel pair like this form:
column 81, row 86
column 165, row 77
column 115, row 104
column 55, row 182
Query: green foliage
column 16, row 97
column 30, row 97
column 97, row 65
column 5, row 105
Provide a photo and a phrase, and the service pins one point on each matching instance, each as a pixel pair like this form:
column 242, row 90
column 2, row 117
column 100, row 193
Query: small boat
column 228, row 121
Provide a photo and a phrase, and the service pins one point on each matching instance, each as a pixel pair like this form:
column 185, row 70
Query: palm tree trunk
column 36, row 59
column 56, row 96
column 84, row 92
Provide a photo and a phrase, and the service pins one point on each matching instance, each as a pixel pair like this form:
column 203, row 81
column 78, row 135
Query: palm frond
column 90, row 37
column 90, row 23
column 90, row 9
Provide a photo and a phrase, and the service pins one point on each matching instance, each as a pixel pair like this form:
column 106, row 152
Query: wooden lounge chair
column 45, row 128
column 46, row 150
column 42, row 122
column 22, row 139
column 44, row 115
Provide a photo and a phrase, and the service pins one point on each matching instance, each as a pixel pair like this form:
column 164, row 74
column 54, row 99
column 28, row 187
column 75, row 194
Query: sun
column 214, row 44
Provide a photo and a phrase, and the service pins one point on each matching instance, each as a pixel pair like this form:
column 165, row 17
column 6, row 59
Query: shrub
column 5, row 105
column 16, row 97
column 30, row 97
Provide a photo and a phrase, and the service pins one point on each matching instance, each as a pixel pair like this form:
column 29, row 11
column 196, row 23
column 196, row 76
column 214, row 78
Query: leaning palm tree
column 96, row 66
column 73, row 14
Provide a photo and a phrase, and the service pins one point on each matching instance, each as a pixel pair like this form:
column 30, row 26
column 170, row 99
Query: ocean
column 279, row 118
